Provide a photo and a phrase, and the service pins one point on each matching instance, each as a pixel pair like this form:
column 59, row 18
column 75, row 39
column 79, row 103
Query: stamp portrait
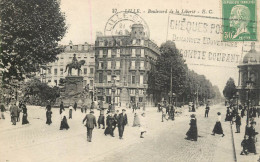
column 239, row 20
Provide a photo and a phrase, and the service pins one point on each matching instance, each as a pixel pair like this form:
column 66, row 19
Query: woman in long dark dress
column 228, row 115
column 192, row 133
column 48, row 115
column 25, row 115
column 64, row 124
column 218, row 128
column 110, row 122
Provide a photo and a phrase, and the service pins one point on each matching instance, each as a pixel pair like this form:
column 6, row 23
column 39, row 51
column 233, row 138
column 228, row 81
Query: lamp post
column 248, row 88
column 113, row 92
column 236, row 96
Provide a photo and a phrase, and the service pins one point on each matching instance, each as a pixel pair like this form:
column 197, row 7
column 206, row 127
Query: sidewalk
column 238, row 137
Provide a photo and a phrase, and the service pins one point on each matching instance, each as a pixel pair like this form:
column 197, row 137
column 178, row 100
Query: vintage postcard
column 129, row 80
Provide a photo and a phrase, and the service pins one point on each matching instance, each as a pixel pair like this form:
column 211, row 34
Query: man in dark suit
column 207, row 111
column 238, row 122
column 90, row 124
column 121, row 122
column 61, row 107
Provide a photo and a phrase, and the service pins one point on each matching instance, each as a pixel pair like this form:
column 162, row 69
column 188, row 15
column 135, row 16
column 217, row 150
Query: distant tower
column 137, row 31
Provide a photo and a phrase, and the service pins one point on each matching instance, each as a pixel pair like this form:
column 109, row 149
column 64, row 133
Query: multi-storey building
column 122, row 64
column 55, row 71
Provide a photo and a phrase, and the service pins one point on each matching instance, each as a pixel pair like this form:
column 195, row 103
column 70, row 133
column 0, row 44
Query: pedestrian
column 48, row 114
column 75, row 106
column 192, row 133
column 254, row 111
column 159, row 107
column 218, row 128
column 90, row 124
column 243, row 112
column 109, row 122
column 101, row 118
column 172, row 111
column 252, row 137
column 134, row 107
column 25, row 115
column 228, row 116
column 20, row 103
column 136, row 122
column 193, row 108
column 85, row 108
column 2, row 107
column 64, row 123
column 164, row 113
column 115, row 119
column 245, row 145
column 143, row 126
column 61, row 107
column 70, row 111
column 121, row 123
column 258, row 111
column 238, row 122
column 13, row 113
column 207, row 111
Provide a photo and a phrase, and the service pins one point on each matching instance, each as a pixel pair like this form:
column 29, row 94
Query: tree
column 230, row 89
column 34, row 89
column 30, row 32
column 160, row 75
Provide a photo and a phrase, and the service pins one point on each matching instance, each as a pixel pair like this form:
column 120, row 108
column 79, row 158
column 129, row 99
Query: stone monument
column 73, row 90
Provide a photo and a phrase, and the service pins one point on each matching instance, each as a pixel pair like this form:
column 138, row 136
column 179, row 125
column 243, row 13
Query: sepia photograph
column 129, row 81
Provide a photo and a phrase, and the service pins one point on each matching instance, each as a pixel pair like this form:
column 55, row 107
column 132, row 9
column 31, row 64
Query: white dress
column 143, row 123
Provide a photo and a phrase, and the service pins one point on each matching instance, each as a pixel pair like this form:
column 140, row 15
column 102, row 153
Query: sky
column 86, row 17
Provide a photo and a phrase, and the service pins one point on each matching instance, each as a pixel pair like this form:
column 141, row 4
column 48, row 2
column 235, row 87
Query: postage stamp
column 239, row 20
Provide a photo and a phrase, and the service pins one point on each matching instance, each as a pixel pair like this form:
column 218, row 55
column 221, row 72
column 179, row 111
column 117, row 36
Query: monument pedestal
column 73, row 84
column 73, row 90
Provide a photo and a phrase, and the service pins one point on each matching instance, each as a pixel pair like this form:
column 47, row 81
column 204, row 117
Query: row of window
column 118, row 52
column 117, row 78
column 117, row 66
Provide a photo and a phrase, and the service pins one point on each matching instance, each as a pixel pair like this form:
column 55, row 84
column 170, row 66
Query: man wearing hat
column 121, row 122
column 70, row 111
column 90, row 124
column 207, row 111
column 101, row 118
column 238, row 122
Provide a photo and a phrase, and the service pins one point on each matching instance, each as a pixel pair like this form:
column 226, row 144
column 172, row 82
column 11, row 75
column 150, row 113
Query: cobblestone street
column 164, row 141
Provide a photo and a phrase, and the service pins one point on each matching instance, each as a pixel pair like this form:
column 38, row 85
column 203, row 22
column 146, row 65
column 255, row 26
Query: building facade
column 122, row 66
column 249, row 72
column 55, row 72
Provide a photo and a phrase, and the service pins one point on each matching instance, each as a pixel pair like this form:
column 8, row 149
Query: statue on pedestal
column 74, row 64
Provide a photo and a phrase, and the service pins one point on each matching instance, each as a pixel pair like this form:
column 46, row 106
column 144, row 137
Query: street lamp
column 236, row 96
column 113, row 92
column 248, row 88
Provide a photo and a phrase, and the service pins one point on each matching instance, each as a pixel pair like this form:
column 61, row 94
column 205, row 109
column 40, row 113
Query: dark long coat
column 193, row 131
